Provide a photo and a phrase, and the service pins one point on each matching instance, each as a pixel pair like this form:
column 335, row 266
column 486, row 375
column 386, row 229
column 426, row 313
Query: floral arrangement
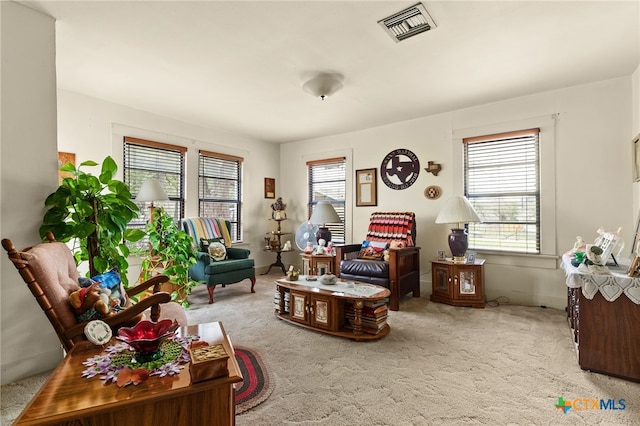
column 119, row 359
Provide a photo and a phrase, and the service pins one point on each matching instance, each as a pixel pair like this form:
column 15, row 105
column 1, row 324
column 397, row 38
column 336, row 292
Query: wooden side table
column 457, row 283
column 317, row 264
column 67, row 398
column 275, row 246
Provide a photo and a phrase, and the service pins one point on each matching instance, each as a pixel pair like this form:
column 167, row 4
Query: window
column 502, row 182
column 220, row 189
column 144, row 160
column 327, row 181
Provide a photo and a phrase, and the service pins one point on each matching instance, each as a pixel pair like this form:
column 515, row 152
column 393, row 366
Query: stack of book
column 373, row 316
column 276, row 300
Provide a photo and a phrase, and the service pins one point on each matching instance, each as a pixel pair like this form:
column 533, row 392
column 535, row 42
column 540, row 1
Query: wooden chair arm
column 154, row 281
column 343, row 249
column 123, row 316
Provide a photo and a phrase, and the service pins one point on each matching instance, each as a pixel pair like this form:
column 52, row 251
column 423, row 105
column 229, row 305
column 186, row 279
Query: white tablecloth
column 610, row 286
column 346, row 287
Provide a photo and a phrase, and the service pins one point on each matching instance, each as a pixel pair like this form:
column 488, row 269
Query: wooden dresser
column 604, row 322
column 68, row 399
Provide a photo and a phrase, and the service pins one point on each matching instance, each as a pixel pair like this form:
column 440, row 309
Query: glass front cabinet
column 457, row 283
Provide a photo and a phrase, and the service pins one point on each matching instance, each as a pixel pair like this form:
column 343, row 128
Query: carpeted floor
column 439, row 365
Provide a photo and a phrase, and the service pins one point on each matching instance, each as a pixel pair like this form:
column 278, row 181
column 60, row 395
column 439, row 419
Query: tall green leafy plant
column 174, row 249
column 93, row 212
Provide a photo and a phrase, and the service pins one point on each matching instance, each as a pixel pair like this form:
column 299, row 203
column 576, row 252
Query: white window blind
column 220, row 189
column 144, row 160
column 327, row 181
column 502, row 182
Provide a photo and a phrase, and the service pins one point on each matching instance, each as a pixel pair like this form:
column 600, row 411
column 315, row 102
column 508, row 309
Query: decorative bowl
column 145, row 337
column 328, row 279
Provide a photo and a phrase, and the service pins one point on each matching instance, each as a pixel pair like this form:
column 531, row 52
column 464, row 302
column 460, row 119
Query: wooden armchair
column 401, row 272
column 50, row 272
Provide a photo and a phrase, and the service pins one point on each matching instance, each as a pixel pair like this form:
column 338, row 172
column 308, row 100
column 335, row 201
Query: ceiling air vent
column 409, row 22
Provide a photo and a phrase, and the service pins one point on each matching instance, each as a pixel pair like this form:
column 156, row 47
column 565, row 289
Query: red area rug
column 256, row 386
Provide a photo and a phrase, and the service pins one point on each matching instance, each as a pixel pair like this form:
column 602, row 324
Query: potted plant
column 171, row 252
column 93, row 211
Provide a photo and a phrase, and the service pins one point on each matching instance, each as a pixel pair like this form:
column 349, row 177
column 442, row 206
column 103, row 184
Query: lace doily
column 121, row 355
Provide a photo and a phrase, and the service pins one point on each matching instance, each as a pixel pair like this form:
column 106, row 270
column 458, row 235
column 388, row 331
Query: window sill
column 543, row 261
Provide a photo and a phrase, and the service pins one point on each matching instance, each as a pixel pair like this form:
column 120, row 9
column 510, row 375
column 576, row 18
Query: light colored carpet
column 439, row 365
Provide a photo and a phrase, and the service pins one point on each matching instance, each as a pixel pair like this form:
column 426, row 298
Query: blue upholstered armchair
column 232, row 265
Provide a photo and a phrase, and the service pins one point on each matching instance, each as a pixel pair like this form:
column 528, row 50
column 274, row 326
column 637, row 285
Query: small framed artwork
column 269, row 188
column 636, row 158
column 635, row 247
column 471, row 258
column 441, row 255
column 64, row 158
column 366, row 187
column 634, row 266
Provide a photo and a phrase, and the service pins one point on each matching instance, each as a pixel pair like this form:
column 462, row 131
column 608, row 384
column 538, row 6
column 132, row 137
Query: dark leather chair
column 401, row 272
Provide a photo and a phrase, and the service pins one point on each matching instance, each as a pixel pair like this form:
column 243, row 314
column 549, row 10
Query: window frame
column 236, row 223
column 548, row 257
column 178, row 199
column 479, row 150
column 338, row 231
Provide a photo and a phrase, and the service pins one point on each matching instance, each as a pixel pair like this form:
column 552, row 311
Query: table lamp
column 460, row 211
column 151, row 190
column 324, row 213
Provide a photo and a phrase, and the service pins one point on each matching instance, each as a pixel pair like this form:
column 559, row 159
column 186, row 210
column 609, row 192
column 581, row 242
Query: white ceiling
column 240, row 65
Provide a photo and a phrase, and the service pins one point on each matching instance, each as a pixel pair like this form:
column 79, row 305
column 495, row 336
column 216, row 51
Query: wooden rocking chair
column 50, row 272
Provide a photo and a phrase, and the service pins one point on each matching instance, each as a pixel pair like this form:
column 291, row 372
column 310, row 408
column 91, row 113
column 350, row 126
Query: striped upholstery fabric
column 206, row 227
column 392, row 226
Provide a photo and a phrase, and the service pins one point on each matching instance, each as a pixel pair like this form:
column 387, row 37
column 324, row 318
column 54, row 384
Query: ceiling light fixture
column 323, row 85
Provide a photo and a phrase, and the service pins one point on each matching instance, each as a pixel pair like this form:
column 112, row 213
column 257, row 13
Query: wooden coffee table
column 67, row 398
column 347, row 309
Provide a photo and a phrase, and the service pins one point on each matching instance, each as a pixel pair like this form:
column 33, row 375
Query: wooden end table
column 67, row 398
column 317, row 264
column 458, row 283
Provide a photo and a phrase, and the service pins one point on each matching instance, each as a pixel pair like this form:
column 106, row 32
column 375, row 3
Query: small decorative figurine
column 330, row 248
column 321, row 249
column 309, row 248
column 278, row 208
column 287, row 246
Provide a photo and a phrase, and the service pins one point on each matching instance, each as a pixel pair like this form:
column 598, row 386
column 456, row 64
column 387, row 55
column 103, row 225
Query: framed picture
column 269, row 188
column 636, row 158
column 633, row 266
column 471, row 258
column 635, row 247
column 366, row 187
column 441, row 255
column 64, row 158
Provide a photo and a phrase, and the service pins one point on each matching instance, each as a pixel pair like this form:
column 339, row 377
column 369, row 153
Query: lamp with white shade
column 324, row 213
column 151, row 190
column 458, row 210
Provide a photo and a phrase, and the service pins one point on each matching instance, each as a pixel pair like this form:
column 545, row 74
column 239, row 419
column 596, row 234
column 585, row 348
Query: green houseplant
column 173, row 249
column 93, row 211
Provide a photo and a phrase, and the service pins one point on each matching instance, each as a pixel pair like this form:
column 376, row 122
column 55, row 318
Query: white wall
column 28, row 164
column 93, row 129
column 592, row 185
column 635, row 130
